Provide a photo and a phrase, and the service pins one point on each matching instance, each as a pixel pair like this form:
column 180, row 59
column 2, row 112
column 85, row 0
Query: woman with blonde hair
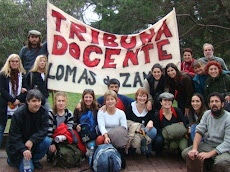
column 37, row 78
column 13, row 88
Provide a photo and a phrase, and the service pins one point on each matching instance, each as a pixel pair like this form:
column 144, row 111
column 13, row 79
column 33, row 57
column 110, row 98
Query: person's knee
column 222, row 163
column 152, row 133
column 46, row 142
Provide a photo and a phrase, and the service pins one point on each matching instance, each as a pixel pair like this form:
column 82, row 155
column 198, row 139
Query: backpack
column 68, row 155
column 88, row 127
column 106, row 159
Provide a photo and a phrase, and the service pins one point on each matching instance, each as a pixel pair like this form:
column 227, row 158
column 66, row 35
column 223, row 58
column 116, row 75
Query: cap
column 34, row 32
column 167, row 96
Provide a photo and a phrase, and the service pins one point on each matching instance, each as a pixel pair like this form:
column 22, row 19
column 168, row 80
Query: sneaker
column 38, row 165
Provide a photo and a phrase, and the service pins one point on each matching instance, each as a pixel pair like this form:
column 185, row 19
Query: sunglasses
column 14, row 61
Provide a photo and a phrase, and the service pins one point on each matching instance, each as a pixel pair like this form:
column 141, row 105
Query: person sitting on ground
column 187, row 64
column 138, row 112
column 109, row 120
column 216, row 145
column 59, row 115
column 27, row 137
column 200, row 77
column 154, row 84
column 13, row 88
column 217, row 80
column 37, row 78
column 208, row 56
column 168, row 116
column 87, row 117
column 196, row 112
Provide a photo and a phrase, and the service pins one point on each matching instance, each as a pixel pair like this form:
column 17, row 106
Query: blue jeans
column 152, row 134
column 2, row 129
column 158, row 143
column 38, row 152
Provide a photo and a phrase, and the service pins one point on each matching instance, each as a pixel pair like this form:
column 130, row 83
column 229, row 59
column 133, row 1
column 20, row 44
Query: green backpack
column 68, row 155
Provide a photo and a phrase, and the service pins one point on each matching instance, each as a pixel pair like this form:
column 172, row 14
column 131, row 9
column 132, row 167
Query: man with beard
column 33, row 49
column 208, row 56
column 215, row 128
column 122, row 101
column 28, row 133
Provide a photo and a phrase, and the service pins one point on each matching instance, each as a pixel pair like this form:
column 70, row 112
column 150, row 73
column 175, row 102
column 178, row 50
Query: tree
column 18, row 17
column 198, row 21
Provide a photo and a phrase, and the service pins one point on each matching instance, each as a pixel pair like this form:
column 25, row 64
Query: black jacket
column 38, row 82
column 25, row 126
column 5, row 97
column 156, row 92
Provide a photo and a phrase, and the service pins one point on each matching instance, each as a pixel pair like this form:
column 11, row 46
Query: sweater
column 218, row 130
column 107, row 122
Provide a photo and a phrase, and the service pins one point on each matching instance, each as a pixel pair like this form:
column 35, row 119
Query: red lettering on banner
column 108, row 60
column 74, row 50
column 77, row 29
column 57, row 50
column 163, row 29
column 132, row 56
column 162, row 54
column 95, row 36
column 146, row 49
column 109, row 40
column 130, row 45
column 145, row 37
column 86, row 55
column 59, row 17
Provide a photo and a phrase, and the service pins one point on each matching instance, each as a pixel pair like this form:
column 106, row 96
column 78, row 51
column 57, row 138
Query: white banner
column 83, row 57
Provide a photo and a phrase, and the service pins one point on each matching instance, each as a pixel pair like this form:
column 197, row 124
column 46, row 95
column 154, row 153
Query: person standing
column 209, row 56
column 13, row 88
column 187, row 64
column 33, row 49
column 27, row 137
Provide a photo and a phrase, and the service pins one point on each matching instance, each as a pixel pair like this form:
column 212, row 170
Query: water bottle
column 91, row 151
column 27, row 166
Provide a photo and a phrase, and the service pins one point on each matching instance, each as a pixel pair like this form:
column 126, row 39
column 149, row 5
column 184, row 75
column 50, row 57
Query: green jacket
column 219, row 84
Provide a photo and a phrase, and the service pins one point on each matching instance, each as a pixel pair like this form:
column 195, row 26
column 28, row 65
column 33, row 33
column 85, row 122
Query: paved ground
column 169, row 162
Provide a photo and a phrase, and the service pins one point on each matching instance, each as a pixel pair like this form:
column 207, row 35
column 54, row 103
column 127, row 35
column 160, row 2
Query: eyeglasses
column 14, row 61
column 88, row 90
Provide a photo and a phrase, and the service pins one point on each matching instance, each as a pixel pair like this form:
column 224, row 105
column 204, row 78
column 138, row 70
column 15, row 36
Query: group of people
column 150, row 121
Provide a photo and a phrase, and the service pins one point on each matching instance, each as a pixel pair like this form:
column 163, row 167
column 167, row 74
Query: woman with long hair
column 180, row 84
column 87, row 115
column 154, row 84
column 13, row 88
column 138, row 112
column 59, row 114
column 196, row 112
column 187, row 64
column 37, row 78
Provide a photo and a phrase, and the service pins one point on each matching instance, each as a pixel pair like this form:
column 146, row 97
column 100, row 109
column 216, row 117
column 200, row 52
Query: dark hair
column 157, row 65
column 217, row 64
column 221, row 97
column 203, row 108
column 187, row 50
column 34, row 93
column 29, row 45
column 94, row 105
column 113, row 81
column 170, row 81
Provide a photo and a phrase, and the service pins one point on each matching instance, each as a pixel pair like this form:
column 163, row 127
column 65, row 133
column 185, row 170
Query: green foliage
column 198, row 21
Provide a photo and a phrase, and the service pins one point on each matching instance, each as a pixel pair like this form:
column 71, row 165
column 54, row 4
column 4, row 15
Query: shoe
column 149, row 155
column 38, row 165
column 50, row 157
